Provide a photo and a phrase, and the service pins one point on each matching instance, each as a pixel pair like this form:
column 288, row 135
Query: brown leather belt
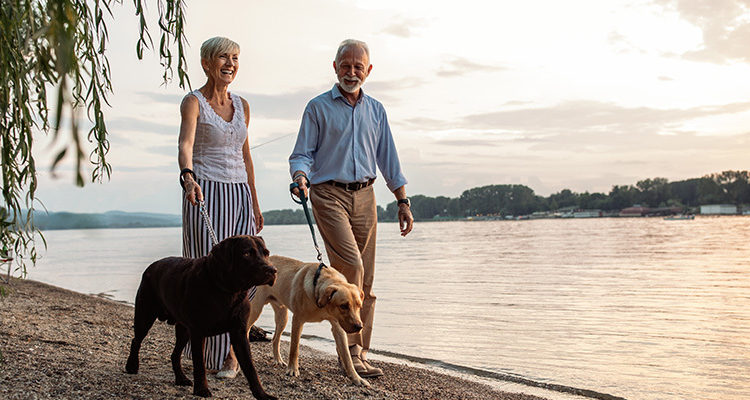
column 353, row 186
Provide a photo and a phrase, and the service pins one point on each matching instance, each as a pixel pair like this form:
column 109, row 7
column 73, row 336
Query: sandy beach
column 60, row 344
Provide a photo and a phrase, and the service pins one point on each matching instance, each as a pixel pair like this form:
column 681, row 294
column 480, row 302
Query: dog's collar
column 317, row 275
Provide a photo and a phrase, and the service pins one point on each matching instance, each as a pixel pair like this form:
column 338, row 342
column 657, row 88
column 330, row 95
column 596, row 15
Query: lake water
column 637, row 308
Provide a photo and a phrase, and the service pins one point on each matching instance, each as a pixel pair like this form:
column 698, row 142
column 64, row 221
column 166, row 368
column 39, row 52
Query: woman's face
column 222, row 68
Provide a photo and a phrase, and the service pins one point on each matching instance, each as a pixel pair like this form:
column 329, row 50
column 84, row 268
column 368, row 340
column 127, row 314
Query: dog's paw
column 359, row 381
column 202, row 392
column 132, row 366
column 183, row 381
column 280, row 363
column 292, row 372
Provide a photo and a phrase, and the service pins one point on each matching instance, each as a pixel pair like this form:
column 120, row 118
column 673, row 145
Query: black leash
column 303, row 200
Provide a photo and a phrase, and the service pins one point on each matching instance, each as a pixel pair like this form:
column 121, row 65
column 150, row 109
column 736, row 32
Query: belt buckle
column 352, row 187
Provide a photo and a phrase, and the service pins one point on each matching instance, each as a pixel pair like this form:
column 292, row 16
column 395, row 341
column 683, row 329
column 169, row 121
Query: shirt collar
column 336, row 93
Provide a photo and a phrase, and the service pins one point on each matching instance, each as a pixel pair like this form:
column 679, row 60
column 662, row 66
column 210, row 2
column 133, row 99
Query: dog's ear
column 260, row 244
column 218, row 251
column 326, row 297
column 224, row 252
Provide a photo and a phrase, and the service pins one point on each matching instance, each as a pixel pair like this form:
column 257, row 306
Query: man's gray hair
column 352, row 42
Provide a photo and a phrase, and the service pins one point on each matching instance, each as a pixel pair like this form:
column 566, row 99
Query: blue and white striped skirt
column 230, row 207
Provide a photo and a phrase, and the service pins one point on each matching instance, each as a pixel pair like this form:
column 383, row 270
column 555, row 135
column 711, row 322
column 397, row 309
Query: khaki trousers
column 347, row 221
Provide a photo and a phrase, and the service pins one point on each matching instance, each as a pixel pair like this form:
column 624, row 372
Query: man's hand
column 301, row 180
column 405, row 220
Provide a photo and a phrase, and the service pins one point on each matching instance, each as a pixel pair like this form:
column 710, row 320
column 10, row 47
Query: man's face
column 352, row 68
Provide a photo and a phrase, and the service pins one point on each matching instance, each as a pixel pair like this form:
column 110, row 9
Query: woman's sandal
column 226, row 374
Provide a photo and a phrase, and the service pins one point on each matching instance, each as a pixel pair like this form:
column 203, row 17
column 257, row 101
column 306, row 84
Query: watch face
column 405, row 201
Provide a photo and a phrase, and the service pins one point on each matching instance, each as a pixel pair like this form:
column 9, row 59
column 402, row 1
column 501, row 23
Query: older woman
column 215, row 163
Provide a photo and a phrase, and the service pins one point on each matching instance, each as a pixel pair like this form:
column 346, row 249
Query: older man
column 344, row 134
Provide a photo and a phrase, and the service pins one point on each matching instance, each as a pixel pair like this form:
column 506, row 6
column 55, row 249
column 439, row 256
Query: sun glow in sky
column 579, row 94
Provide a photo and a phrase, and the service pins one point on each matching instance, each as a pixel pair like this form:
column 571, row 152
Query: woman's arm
column 189, row 111
column 251, row 171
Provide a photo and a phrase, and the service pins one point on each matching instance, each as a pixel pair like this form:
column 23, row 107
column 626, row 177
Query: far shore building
column 587, row 214
column 719, row 209
column 635, row 211
column 641, row 211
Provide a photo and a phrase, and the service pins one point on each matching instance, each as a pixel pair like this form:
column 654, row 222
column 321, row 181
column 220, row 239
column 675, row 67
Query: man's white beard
column 350, row 88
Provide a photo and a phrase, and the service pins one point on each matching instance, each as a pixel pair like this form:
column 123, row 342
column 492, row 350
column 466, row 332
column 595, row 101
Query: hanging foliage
column 55, row 51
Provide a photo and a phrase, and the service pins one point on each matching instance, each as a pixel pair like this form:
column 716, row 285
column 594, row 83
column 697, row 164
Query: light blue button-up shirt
column 341, row 142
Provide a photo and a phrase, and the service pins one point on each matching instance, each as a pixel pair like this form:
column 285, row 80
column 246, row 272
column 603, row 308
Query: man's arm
column 387, row 157
column 390, row 167
column 301, row 159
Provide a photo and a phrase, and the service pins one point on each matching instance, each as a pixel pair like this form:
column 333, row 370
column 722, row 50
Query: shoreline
column 56, row 343
column 422, row 221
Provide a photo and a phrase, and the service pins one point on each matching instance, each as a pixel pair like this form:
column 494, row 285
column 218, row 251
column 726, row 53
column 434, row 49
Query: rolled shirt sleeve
column 304, row 151
column 387, row 155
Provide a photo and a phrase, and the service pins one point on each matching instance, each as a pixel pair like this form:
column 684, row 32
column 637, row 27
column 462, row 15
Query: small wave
column 498, row 376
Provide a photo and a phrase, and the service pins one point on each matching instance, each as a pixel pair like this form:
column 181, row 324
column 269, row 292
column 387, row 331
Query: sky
column 579, row 95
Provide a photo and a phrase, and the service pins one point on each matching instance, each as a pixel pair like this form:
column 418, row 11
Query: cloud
column 284, row 106
column 403, row 28
column 386, row 90
column 134, row 124
column 468, row 142
column 462, row 66
column 427, row 124
column 725, row 26
column 594, row 116
column 581, row 161
column 170, row 151
column 622, row 45
column 581, row 129
column 164, row 98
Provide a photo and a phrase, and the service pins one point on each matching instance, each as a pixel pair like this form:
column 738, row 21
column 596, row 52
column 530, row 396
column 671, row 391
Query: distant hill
column 109, row 219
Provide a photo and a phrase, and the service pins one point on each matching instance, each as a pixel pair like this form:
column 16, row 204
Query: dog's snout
column 357, row 328
column 271, row 273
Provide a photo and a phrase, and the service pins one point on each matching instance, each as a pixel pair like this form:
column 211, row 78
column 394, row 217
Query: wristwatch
column 404, row 201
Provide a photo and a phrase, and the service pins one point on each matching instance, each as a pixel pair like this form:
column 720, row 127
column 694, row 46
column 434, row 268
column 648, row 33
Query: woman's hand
column 193, row 192
column 258, row 219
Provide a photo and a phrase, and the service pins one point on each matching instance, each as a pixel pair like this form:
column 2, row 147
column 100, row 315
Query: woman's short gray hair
column 215, row 46
column 352, row 42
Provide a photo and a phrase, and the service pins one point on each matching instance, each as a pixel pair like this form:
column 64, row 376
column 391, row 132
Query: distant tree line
column 728, row 187
column 285, row 217
column 110, row 219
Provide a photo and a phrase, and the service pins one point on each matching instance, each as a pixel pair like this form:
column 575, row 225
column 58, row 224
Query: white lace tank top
column 217, row 149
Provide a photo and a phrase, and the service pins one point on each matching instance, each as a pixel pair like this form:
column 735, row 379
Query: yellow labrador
column 313, row 294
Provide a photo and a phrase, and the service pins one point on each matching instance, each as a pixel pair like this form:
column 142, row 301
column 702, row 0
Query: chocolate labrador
column 204, row 297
